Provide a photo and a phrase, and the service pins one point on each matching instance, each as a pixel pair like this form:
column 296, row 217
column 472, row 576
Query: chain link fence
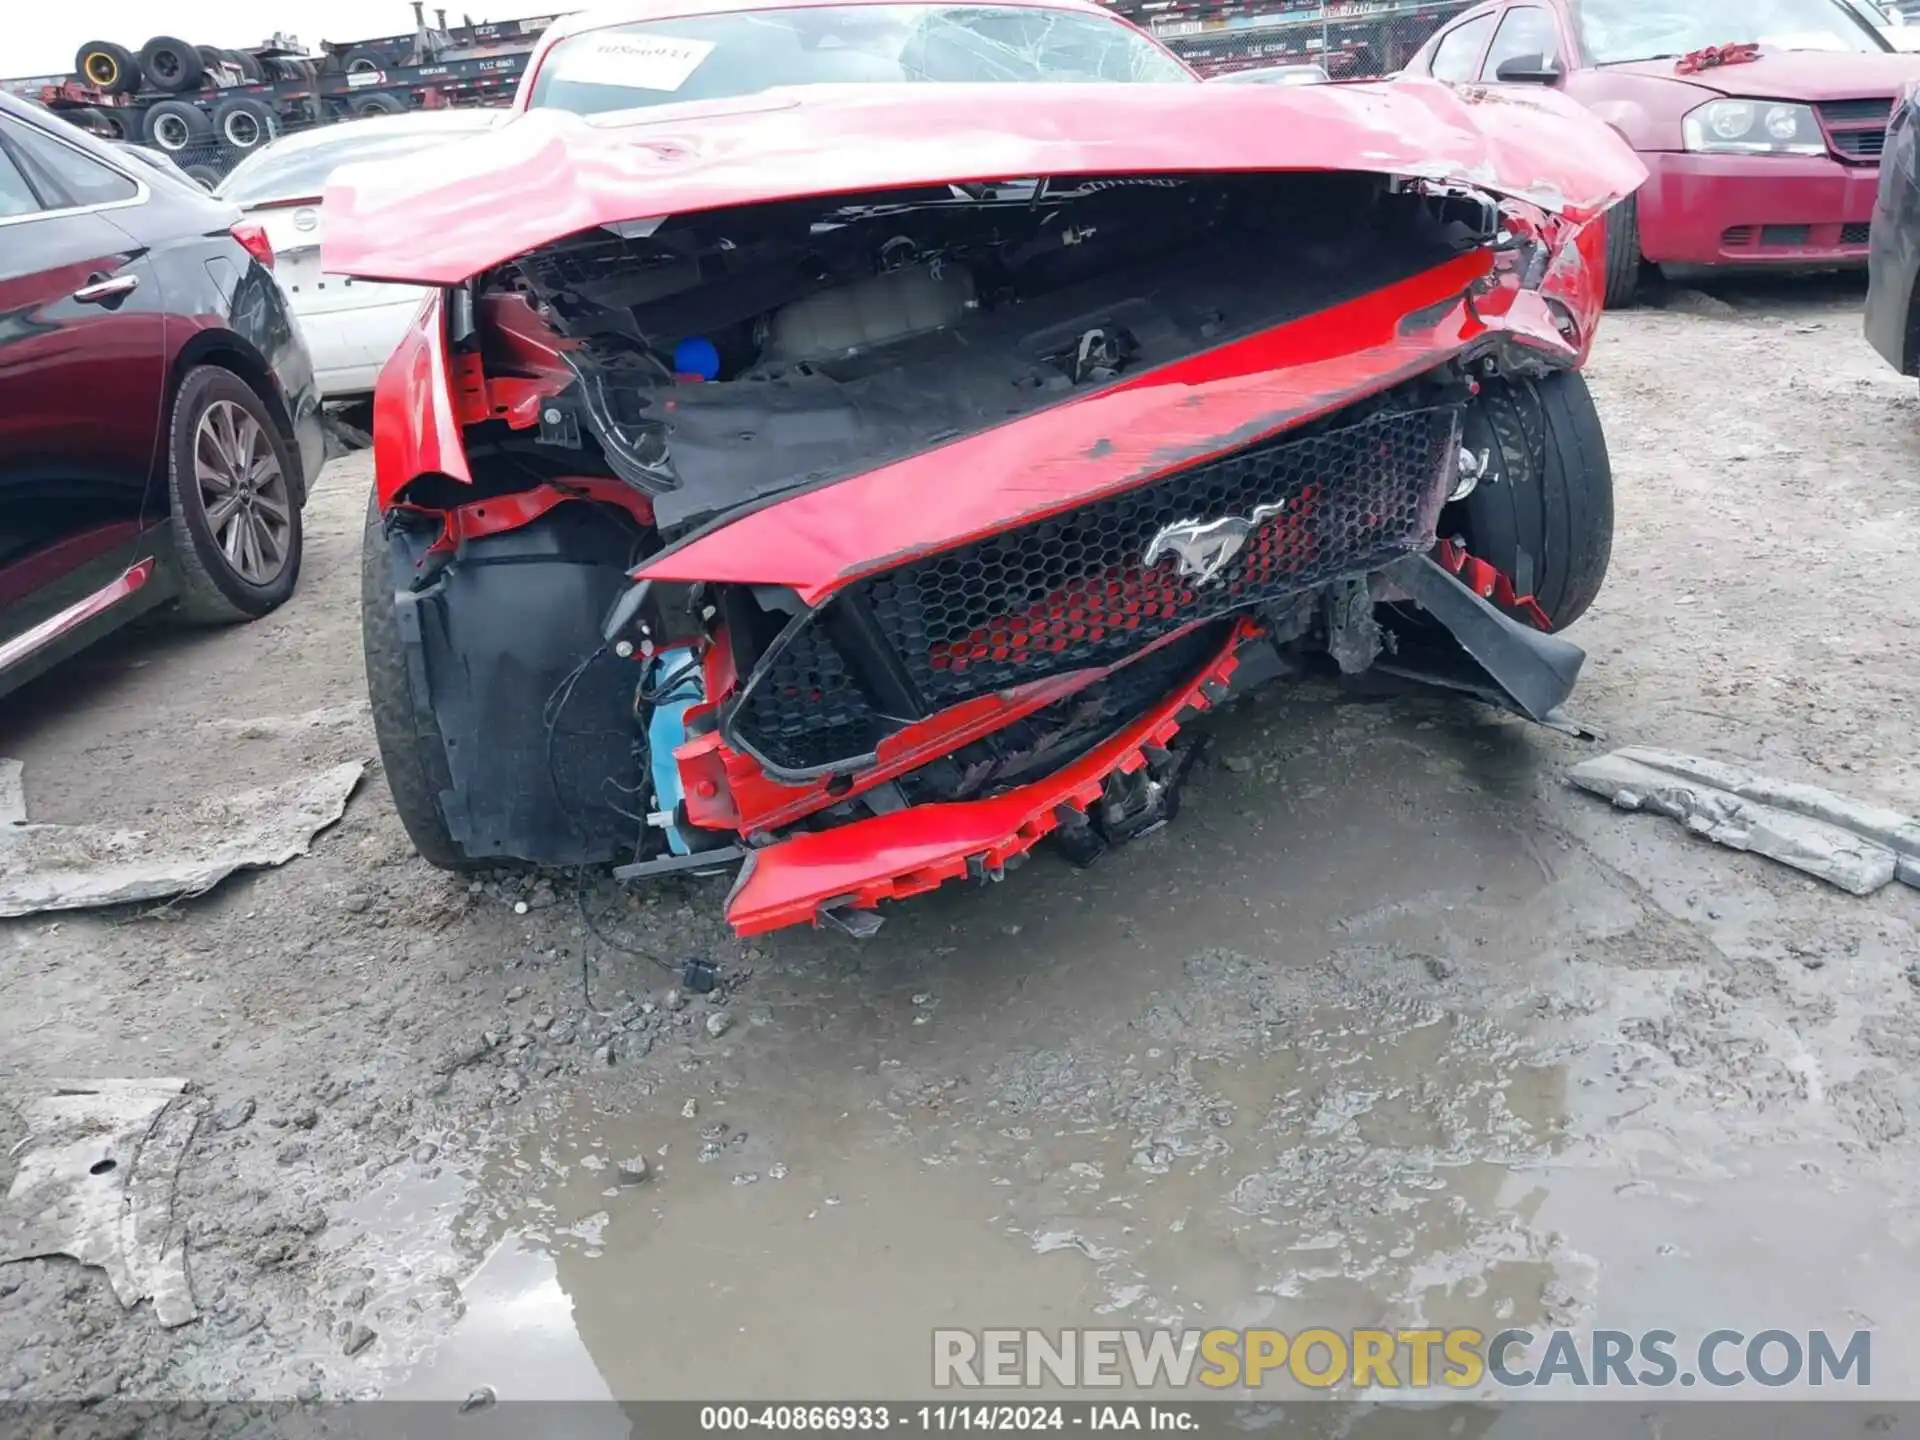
column 1349, row 39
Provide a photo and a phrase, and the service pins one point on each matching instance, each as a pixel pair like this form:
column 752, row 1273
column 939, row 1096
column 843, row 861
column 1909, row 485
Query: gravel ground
column 1390, row 1026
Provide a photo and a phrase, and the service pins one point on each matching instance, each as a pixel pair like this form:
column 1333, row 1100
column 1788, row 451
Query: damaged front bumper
column 1122, row 787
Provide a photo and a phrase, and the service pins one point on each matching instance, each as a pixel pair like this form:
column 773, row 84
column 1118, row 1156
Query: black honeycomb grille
column 808, row 711
column 1060, row 733
column 1074, row 591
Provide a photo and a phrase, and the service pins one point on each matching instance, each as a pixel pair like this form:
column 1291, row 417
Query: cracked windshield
column 712, row 57
column 1614, row 31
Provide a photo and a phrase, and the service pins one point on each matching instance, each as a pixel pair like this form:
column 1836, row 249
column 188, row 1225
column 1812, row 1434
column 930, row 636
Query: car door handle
column 101, row 290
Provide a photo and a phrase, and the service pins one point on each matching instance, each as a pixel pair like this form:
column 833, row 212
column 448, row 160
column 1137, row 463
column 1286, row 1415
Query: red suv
column 1760, row 121
column 159, row 422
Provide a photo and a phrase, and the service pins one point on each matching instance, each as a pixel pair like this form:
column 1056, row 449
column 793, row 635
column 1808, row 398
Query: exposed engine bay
column 583, row 691
column 720, row 359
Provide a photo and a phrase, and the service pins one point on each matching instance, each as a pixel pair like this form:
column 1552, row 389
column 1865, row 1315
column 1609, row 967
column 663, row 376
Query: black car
column 1893, row 254
column 159, row 422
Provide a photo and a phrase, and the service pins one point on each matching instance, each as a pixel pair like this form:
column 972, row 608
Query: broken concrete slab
column 1855, row 846
column 97, row 1183
column 1889, row 828
column 72, row 867
column 275, row 727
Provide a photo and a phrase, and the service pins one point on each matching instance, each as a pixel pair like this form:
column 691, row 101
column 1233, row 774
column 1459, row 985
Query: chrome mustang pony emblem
column 1204, row 548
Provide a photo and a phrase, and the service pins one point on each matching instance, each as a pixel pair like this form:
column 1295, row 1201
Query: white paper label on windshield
column 635, row 62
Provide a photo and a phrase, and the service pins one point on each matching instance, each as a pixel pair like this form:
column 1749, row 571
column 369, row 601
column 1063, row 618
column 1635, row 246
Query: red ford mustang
column 852, row 440
column 1761, row 121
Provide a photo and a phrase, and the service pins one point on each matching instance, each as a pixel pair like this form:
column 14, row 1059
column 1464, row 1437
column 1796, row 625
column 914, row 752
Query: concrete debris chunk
column 73, row 867
column 1848, row 843
column 97, row 1184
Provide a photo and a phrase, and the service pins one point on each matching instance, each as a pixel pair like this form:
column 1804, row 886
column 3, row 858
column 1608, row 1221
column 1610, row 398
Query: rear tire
column 172, row 65
column 174, row 126
column 248, row 65
column 1543, row 513
column 107, row 66
column 411, row 752
column 89, row 118
column 205, row 176
column 233, row 566
column 1624, row 263
column 378, row 103
column 244, row 124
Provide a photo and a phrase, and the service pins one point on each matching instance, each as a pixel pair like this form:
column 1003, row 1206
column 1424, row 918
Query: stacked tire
column 193, row 136
column 106, row 66
column 243, row 124
column 172, row 65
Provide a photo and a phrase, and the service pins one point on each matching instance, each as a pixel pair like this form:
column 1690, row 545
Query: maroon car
column 158, row 417
column 1760, row 121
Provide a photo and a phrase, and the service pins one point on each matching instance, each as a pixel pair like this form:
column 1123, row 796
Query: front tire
column 1624, row 263
column 411, row 752
column 235, row 491
column 1543, row 513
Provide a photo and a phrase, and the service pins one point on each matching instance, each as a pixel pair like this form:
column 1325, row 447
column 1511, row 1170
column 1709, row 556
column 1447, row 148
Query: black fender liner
column 492, row 642
column 1532, row 669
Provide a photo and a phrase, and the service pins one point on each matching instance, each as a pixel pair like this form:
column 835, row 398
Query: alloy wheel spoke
column 220, row 514
column 234, row 542
column 221, row 419
column 246, row 447
column 251, row 569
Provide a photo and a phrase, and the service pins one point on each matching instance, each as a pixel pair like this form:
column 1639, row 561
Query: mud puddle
column 805, row 1255
column 1224, row 1083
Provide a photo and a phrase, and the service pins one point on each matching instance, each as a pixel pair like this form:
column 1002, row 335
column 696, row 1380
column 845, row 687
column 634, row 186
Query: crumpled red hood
column 444, row 215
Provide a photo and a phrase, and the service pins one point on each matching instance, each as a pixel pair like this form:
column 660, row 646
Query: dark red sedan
column 158, row 417
column 1760, row 121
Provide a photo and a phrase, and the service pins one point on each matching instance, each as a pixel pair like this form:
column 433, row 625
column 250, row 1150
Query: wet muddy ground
column 1391, row 1027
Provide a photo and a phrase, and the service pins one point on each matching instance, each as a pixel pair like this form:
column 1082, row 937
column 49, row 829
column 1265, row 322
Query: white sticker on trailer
column 635, row 62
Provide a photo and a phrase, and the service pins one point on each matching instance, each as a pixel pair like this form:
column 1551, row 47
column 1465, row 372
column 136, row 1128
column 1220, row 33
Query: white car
column 1890, row 20
column 1307, row 74
column 351, row 326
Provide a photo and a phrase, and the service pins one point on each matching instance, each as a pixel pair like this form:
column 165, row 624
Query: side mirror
column 1528, row 70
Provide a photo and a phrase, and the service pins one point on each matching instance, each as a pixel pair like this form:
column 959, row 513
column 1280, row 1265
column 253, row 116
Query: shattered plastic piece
column 1856, row 846
column 72, row 867
column 98, row 1184
column 1715, row 56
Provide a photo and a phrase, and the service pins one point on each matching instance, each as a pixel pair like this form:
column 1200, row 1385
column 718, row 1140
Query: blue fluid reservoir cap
column 696, row 357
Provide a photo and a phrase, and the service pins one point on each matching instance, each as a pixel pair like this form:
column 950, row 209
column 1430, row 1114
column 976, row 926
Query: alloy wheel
column 244, row 490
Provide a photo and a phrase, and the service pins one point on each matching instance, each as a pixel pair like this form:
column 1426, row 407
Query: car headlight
column 1753, row 127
